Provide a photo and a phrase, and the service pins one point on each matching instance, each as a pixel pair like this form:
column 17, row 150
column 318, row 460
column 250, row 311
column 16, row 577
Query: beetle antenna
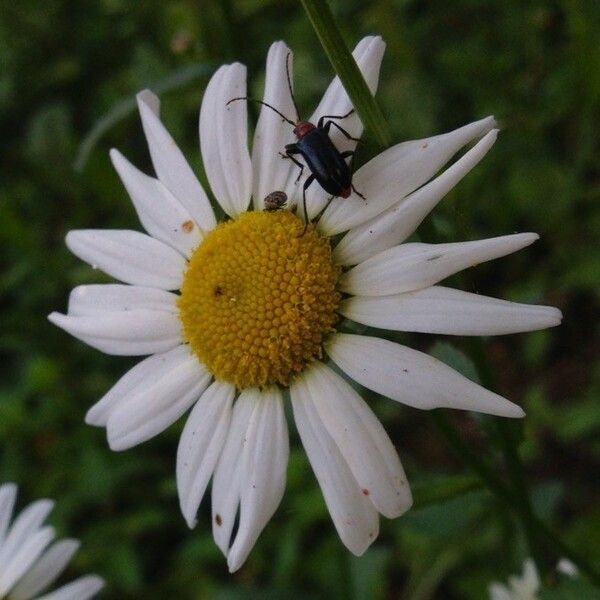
column 265, row 104
column 289, row 81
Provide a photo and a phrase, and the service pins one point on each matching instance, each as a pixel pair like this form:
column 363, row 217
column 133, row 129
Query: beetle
column 275, row 201
column 327, row 165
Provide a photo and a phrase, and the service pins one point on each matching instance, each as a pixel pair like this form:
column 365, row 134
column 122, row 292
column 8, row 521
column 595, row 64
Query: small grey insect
column 275, row 201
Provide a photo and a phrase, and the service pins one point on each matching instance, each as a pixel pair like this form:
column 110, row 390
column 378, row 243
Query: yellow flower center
column 258, row 299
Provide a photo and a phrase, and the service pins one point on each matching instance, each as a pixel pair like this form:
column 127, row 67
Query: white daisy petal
column 264, row 458
column 200, row 446
column 447, row 311
column 89, row 300
column 8, row 495
column 160, row 213
column 531, row 577
column 368, row 55
column 393, row 174
column 23, row 558
column 226, row 485
column 566, row 567
column 529, row 583
column 412, row 377
column 158, row 401
column 81, row 589
column 23, row 527
column 353, row 515
column 129, row 256
column 361, row 439
column 143, row 376
column 46, row 570
column 128, row 333
column 224, row 139
column 170, row 165
column 499, row 592
column 415, row 266
column 272, row 133
column 399, row 221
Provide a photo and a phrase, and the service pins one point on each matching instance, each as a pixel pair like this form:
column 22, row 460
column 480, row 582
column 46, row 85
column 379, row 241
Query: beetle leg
column 322, row 119
column 348, row 136
column 298, row 163
column 291, row 149
column 290, row 157
column 308, row 181
column 289, row 82
column 346, row 154
column 357, row 192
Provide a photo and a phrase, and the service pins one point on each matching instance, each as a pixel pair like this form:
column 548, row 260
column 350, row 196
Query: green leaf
column 120, row 111
column 546, row 498
column 246, row 593
column 446, row 519
column 442, row 489
column 570, row 589
column 367, row 573
column 456, row 359
column 347, row 70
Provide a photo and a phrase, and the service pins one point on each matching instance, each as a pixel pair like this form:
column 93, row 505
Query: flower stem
column 508, row 444
column 537, row 528
column 347, row 70
column 521, row 494
column 471, row 459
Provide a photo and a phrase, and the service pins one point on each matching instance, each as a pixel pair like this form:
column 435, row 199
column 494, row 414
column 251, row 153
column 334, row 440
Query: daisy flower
column 233, row 314
column 29, row 561
column 527, row 586
column 524, row 587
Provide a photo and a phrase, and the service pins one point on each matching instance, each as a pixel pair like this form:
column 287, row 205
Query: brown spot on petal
column 425, row 145
column 187, row 226
column 218, row 520
column 366, row 492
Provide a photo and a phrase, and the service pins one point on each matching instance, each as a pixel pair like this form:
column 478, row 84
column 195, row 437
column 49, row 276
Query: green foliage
column 69, row 71
column 569, row 589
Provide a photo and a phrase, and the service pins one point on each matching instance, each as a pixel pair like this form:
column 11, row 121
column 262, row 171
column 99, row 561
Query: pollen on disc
column 258, row 299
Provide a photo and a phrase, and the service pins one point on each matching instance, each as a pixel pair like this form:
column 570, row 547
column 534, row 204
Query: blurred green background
column 69, row 71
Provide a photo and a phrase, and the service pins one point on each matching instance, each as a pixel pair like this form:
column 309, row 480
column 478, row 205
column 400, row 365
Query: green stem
column 176, row 80
column 564, row 550
column 347, row 70
column 521, row 494
column 508, row 446
column 471, row 459
column 505, row 494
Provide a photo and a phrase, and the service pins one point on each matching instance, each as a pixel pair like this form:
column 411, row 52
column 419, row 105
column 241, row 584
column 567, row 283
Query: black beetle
column 325, row 162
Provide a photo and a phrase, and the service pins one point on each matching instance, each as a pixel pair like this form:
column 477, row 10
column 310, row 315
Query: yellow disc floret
column 258, row 299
